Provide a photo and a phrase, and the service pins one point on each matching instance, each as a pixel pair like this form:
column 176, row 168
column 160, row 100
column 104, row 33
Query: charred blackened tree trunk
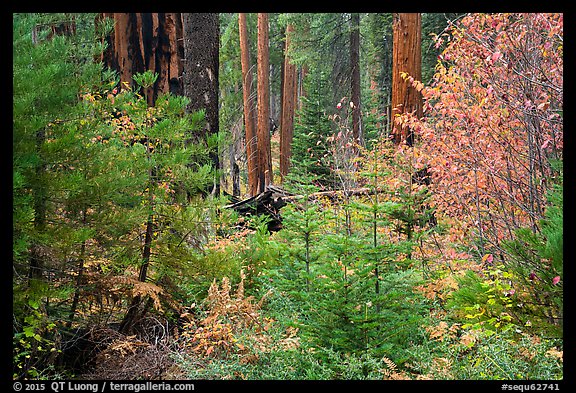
column 146, row 41
column 169, row 51
column 406, row 57
column 200, row 79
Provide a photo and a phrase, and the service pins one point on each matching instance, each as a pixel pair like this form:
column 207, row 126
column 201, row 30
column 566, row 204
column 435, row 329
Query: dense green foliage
column 103, row 189
column 309, row 149
column 125, row 269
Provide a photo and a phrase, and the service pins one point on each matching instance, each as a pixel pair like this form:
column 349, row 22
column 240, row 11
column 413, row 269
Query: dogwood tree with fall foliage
column 493, row 123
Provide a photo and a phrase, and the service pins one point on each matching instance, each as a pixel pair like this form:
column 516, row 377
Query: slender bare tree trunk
column 406, row 57
column 355, row 73
column 263, row 133
column 301, row 89
column 289, row 95
column 249, row 108
column 40, row 198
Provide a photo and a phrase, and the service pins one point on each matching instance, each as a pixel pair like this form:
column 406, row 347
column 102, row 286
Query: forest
column 287, row 196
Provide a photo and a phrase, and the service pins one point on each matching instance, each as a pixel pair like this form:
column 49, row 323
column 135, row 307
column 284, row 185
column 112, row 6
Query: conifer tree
column 93, row 167
column 309, row 148
column 52, row 65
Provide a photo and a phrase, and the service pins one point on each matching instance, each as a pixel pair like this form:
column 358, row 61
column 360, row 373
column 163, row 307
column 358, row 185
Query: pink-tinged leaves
column 495, row 57
column 474, row 134
column 488, row 258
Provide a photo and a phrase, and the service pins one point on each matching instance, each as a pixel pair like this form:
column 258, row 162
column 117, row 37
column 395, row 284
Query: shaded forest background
column 287, row 196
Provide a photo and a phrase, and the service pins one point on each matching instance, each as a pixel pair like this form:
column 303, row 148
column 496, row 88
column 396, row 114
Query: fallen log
column 275, row 198
column 268, row 203
column 332, row 194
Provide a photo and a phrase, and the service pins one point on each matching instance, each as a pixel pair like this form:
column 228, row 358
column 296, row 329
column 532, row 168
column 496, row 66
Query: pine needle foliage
column 107, row 194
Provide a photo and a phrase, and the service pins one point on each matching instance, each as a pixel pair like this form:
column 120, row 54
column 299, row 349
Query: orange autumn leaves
column 493, row 121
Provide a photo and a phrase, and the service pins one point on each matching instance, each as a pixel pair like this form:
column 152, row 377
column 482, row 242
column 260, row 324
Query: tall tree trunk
column 289, row 95
column 168, row 51
column 406, row 57
column 263, row 132
column 200, row 79
column 249, row 108
column 355, row 73
column 302, row 74
column 126, row 54
column 137, row 308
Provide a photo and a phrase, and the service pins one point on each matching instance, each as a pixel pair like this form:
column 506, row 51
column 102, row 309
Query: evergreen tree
column 52, row 64
column 310, row 153
column 98, row 212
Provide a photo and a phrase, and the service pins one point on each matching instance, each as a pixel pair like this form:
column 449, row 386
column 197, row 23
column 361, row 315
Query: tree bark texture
column 146, row 41
column 200, row 77
column 355, row 77
column 289, row 96
column 249, row 108
column 201, row 49
column 263, row 132
column 406, row 57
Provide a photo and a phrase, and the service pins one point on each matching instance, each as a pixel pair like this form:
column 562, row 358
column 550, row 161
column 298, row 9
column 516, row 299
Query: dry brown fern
column 229, row 315
column 391, row 371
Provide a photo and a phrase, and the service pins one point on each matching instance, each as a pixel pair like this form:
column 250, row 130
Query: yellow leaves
column 476, row 315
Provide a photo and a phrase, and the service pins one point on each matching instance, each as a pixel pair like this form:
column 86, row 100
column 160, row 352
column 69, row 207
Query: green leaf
column 35, row 304
column 28, row 331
